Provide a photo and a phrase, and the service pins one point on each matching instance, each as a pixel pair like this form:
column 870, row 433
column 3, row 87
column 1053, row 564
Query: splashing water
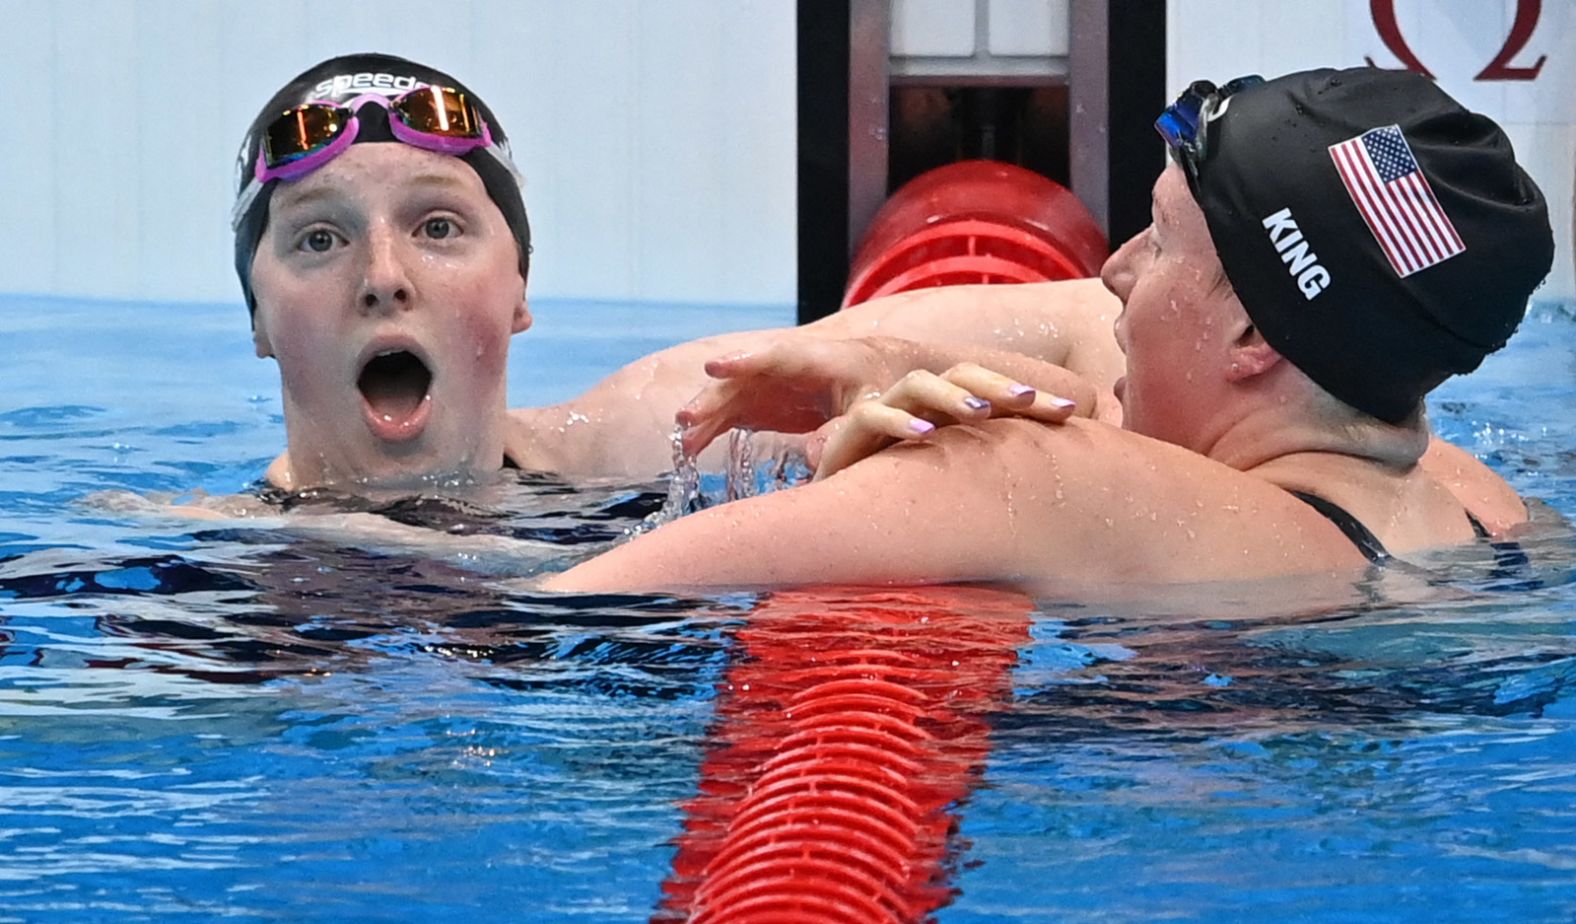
column 752, row 471
column 741, row 464
column 683, row 488
column 782, row 465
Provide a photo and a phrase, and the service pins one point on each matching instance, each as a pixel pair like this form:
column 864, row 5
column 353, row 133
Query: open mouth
column 395, row 385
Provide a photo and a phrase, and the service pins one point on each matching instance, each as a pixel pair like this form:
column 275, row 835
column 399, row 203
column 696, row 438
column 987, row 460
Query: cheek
column 483, row 328
column 299, row 335
column 487, row 319
column 308, row 361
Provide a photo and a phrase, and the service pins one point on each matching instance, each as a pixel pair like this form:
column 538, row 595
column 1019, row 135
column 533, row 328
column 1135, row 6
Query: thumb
column 815, row 443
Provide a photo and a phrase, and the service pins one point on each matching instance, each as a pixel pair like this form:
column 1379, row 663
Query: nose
column 386, row 285
column 1118, row 273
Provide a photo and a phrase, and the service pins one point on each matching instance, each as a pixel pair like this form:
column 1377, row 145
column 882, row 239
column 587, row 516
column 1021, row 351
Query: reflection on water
column 299, row 728
column 245, row 724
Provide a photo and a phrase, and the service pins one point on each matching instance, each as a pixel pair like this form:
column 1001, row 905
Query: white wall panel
column 95, row 154
column 657, row 138
column 1028, row 27
column 935, row 28
column 165, row 200
column 27, row 165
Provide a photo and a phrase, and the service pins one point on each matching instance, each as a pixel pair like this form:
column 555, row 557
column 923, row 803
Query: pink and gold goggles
column 305, row 137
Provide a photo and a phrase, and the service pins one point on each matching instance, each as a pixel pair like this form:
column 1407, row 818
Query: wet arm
column 976, row 505
column 622, row 424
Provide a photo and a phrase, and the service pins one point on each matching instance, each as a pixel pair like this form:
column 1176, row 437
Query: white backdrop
column 1454, row 39
column 656, row 136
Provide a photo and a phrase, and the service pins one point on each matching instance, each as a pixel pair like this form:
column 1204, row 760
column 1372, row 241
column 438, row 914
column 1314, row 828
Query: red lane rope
column 975, row 221
column 849, row 727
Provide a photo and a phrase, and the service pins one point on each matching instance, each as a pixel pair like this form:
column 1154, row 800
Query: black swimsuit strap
column 1366, row 542
column 1510, row 559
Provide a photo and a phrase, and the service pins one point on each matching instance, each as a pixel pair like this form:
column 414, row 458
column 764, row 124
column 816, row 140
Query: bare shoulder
column 1476, row 486
column 1107, row 504
column 545, row 439
column 279, row 474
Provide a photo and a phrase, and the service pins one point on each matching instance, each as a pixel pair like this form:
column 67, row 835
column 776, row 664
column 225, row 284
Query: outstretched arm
column 621, row 425
column 797, row 384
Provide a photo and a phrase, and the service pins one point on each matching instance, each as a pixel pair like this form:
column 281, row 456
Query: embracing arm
column 621, row 426
column 1008, row 501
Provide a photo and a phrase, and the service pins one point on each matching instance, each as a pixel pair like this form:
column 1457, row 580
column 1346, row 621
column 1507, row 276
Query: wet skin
column 388, row 286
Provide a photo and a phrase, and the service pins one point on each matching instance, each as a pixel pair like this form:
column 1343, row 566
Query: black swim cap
column 344, row 78
column 1381, row 237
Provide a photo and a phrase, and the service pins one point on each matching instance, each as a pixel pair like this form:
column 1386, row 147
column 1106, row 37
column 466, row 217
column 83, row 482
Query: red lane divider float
column 975, row 221
column 849, row 727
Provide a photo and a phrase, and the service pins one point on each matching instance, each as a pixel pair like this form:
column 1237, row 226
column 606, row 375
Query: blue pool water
column 228, row 724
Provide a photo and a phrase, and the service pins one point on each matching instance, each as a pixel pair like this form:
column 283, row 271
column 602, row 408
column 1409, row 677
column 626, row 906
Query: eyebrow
column 328, row 192
column 289, row 198
column 434, row 178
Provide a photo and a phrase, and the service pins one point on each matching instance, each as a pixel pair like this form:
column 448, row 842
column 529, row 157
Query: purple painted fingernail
column 1018, row 391
column 921, row 426
column 975, row 404
column 1063, row 403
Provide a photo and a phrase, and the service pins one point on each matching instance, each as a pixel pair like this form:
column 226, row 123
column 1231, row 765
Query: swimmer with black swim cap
column 382, row 244
column 1326, row 248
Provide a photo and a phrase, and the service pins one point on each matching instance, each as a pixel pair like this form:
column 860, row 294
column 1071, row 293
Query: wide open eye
column 318, row 240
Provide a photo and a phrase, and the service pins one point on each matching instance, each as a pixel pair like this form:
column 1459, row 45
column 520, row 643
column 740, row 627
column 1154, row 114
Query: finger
column 728, row 365
column 803, row 356
column 1050, row 408
column 874, row 418
column 694, row 440
column 1008, row 396
column 707, row 403
column 928, row 395
column 869, row 428
column 815, row 443
column 994, row 387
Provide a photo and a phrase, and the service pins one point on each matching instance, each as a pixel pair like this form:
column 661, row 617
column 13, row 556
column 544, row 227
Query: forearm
column 1066, row 323
column 622, row 426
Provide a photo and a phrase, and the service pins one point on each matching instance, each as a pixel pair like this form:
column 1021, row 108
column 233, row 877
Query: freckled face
column 387, row 287
column 1171, row 329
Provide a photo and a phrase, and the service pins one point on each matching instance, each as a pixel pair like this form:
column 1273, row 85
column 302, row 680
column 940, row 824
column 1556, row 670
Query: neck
column 1275, row 441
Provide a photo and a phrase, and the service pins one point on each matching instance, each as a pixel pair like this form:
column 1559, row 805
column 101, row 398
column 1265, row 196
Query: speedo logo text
column 366, row 81
column 1301, row 262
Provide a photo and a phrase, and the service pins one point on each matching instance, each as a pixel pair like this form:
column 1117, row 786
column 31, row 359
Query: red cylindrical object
column 975, row 221
column 850, row 727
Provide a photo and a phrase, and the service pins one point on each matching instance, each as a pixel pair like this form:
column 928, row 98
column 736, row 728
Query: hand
column 793, row 386
column 914, row 407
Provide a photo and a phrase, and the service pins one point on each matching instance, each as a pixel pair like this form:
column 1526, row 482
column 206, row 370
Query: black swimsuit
column 1360, row 535
column 1508, row 556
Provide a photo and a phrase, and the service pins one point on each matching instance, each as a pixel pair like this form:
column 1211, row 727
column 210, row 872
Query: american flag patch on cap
column 1394, row 197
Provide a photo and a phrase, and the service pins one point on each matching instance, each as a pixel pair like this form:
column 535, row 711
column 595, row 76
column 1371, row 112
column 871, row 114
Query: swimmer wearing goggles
column 305, row 137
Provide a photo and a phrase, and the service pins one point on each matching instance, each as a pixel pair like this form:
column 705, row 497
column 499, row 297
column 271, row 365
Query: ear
column 1250, row 355
column 522, row 315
